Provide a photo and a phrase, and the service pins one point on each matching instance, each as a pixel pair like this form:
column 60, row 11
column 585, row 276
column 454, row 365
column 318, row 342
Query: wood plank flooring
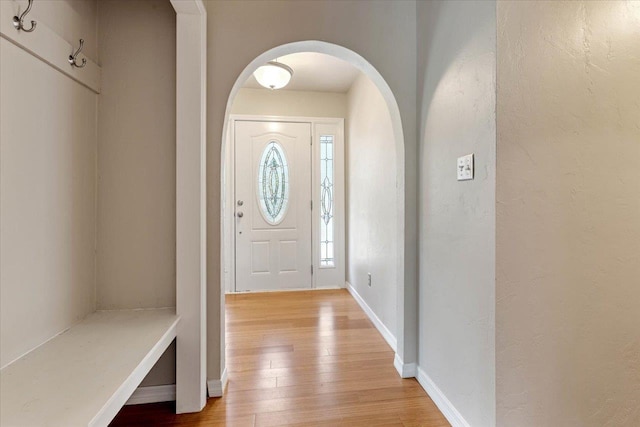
column 302, row 359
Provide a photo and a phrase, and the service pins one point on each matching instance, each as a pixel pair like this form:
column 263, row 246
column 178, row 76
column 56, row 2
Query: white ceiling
column 315, row 72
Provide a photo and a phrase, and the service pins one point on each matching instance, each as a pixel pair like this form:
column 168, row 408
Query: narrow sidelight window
column 326, row 201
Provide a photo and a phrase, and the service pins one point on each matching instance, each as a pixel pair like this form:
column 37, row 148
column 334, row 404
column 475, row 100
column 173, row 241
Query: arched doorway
column 367, row 69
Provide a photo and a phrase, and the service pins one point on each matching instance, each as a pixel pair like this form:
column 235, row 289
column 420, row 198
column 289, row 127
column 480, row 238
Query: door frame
column 228, row 200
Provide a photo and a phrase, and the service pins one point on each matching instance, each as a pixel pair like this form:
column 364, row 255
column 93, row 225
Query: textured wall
column 372, row 240
column 456, row 81
column 47, row 202
column 568, row 214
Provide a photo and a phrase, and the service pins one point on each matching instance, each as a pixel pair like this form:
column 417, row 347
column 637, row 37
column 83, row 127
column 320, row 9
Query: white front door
column 272, row 205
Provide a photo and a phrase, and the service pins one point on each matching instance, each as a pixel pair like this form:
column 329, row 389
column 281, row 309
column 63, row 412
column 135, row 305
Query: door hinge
column 312, row 269
column 312, row 205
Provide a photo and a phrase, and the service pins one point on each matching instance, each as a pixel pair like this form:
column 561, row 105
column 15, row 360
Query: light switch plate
column 465, row 167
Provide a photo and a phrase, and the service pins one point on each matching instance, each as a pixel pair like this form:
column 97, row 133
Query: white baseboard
column 446, row 407
column 386, row 333
column 328, row 287
column 153, row 394
column 216, row 387
column 267, row 291
column 406, row 370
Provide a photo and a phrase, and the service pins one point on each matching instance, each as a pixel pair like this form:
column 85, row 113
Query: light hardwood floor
column 302, row 358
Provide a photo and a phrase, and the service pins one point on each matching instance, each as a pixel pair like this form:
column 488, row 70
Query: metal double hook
column 73, row 58
column 18, row 21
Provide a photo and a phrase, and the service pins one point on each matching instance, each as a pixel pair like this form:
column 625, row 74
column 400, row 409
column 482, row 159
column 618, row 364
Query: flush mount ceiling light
column 273, row 75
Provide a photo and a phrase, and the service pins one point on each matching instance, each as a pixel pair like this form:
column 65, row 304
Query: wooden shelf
column 83, row 376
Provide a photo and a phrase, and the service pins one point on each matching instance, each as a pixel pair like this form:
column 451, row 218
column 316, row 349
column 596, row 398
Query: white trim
column 267, row 291
column 192, row 7
column 384, row 331
column 217, row 387
column 153, row 394
column 228, row 203
column 47, row 46
column 406, row 370
column 328, row 276
column 446, row 407
column 191, row 201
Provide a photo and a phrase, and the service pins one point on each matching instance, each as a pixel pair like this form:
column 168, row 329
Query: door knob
column 240, row 214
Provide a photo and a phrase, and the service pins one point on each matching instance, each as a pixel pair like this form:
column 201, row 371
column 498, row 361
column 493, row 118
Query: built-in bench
column 83, row 376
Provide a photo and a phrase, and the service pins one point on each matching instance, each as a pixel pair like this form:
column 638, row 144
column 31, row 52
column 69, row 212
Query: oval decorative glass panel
column 273, row 183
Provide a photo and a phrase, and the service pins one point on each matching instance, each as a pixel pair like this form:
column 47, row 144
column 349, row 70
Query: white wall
column 382, row 32
column 372, row 239
column 289, row 103
column 136, row 160
column 457, row 87
column 47, row 192
column 568, row 214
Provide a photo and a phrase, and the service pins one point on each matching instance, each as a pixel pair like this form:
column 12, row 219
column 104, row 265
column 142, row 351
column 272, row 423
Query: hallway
column 302, row 358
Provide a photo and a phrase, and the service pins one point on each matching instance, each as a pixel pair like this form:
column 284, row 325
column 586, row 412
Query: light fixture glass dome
column 273, row 75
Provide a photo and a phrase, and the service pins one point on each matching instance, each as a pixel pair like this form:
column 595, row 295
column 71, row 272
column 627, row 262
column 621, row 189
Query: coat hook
column 18, row 21
column 73, row 58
